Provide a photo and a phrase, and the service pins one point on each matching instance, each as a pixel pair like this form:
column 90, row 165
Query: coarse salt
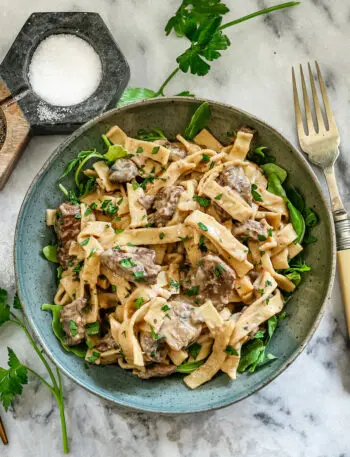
column 64, row 70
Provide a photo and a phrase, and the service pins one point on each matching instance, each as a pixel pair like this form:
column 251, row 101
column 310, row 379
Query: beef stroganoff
column 175, row 255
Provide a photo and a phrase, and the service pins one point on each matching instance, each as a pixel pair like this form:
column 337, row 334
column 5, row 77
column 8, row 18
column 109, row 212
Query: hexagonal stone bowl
column 36, row 278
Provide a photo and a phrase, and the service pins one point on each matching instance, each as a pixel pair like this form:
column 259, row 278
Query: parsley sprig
column 199, row 22
column 15, row 376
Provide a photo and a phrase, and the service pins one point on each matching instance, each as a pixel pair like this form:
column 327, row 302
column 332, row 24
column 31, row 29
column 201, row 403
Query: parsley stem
column 259, row 13
column 160, row 91
column 60, row 402
column 51, row 389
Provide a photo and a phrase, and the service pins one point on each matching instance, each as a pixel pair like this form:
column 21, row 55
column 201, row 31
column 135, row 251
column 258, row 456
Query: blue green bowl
column 36, row 278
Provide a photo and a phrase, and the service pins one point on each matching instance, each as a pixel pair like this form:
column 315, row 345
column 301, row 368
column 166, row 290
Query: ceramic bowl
column 36, row 278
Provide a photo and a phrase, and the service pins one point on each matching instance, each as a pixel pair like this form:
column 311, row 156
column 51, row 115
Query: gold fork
column 321, row 143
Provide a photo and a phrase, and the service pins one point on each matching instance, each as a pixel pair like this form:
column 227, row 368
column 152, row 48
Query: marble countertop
column 306, row 411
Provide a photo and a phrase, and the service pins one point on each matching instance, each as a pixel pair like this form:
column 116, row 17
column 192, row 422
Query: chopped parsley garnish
column 261, row 237
column 268, row 283
column 117, row 231
column 85, row 242
column 161, row 235
column 261, row 291
column 165, row 308
column 193, row 291
column 155, row 149
column 212, row 163
column 88, row 211
column 73, row 328
column 269, row 231
column 105, row 203
column 127, row 263
column 139, row 275
column 202, row 201
column 93, row 328
column 94, row 357
column 231, row 350
column 139, row 150
column 174, row 284
column 139, row 302
column 202, row 226
column 184, row 238
column 135, row 185
column 93, row 205
column 205, row 158
column 257, row 197
column 219, row 269
column 218, row 197
column 78, row 267
column 194, row 350
column 77, row 216
column 154, row 334
column 114, row 288
column 202, row 245
column 92, row 252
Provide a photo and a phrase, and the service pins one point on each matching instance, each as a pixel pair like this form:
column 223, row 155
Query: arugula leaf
column 79, row 350
column 135, row 94
column 12, row 379
column 198, row 121
column 4, row 307
column 50, row 253
column 188, row 367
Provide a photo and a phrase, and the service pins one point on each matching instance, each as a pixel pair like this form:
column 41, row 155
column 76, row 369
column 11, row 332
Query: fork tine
column 319, row 116
column 298, row 116
column 329, row 113
column 308, row 115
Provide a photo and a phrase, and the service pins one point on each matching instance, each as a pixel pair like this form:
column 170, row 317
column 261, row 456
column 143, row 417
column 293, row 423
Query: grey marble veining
column 306, row 411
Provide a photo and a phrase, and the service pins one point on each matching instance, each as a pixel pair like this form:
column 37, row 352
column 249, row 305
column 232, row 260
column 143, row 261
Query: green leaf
column 296, row 199
column 297, row 221
column 95, row 355
column 194, row 350
column 135, row 94
column 295, row 277
column 151, row 135
column 139, row 302
column 311, row 218
column 79, row 350
column 230, row 350
column 17, row 303
column 50, row 252
column 271, row 168
column 188, row 367
column 192, row 292
column 93, row 328
column 202, row 201
column 309, row 239
column 202, row 226
column 12, row 379
column 115, row 152
column 185, row 93
column 275, row 186
column 271, row 327
column 256, row 195
column 250, row 354
column 4, row 307
column 198, row 121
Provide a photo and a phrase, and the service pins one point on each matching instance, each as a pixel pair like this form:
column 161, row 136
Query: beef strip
column 106, row 344
column 122, row 171
column 176, row 153
column 155, row 350
column 235, row 178
column 251, row 229
column 180, row 326
column 147, row 201
column 67, row 228
column 73, row 321
column 158, row 371
column 215, row 280
column 165, row 205
column 133, row 263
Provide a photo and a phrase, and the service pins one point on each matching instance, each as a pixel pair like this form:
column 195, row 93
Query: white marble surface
column 306, row 411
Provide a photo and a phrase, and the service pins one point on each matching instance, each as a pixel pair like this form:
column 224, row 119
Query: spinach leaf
column 115, row 152
column 50, row 253
column 135, row 94
column 79, row 350
column 297, row 221
column 198, row 121
column 271, row 168
column 152, row 135
column 188, row 367
column 296, row 198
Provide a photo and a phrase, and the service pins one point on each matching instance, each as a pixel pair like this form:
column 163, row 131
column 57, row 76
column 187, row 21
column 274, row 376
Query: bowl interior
column 37, row 278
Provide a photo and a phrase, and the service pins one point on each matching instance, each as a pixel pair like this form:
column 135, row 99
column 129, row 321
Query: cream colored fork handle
column 337, row 205
column 344, row 272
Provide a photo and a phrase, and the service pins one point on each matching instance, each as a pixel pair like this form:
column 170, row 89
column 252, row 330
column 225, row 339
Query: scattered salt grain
column 64, row 70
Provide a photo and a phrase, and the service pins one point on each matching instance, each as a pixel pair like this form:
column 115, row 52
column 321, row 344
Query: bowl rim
column 287, row 362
